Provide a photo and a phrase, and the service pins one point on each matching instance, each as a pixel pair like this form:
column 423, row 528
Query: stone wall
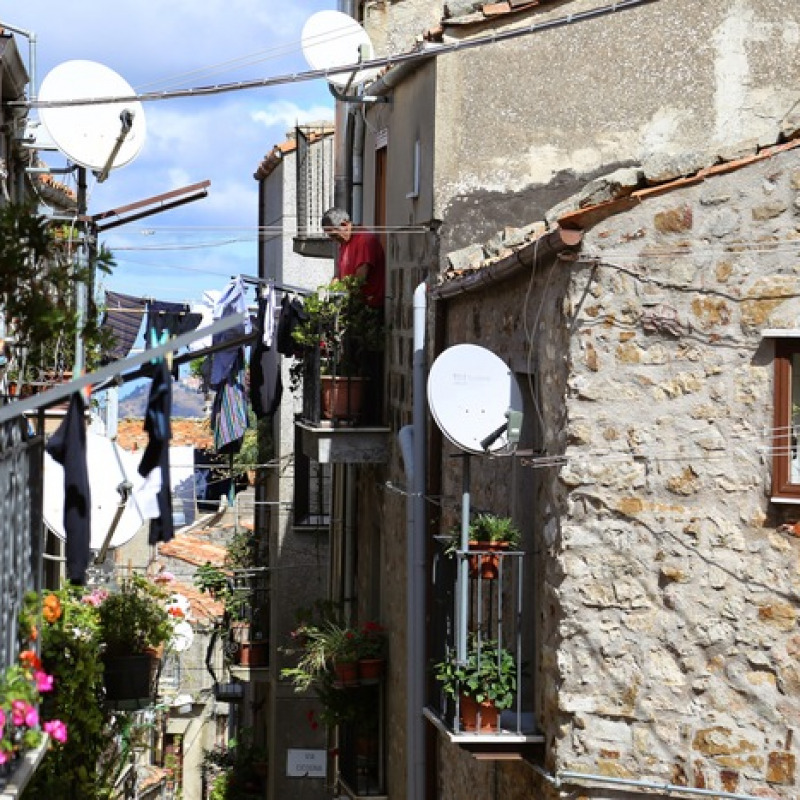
column 667, row 595
column 679, row 602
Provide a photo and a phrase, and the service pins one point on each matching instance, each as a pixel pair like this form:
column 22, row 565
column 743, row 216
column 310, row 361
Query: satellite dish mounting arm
column 126, row 120
column 355, row 98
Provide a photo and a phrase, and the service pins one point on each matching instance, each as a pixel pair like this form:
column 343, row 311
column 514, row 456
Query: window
column 786, row 422
column 312, row 489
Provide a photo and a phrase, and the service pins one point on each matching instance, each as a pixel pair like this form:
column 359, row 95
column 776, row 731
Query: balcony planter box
column 130, row 678
column 342, row 397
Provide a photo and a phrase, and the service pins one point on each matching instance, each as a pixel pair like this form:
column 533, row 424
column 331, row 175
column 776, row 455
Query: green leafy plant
column 87, row 762
column 38, row 275
column 491, row 528
column 134, row 619
column 319, row 646
column 489, row 673
column 371, row 640
column 235, row 771
column 341, row 325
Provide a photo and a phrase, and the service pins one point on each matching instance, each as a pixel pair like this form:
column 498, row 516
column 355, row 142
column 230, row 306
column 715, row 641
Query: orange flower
column 51, row 608
column 176, row 612
column 30, row 659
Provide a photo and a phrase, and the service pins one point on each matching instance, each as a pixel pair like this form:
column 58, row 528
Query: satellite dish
column 470, row 392
column 182, row 637
column 105, row 475
column 333, row 39
column 90, row 135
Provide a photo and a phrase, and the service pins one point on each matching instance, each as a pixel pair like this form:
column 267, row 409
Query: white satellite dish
column 182, row 637
column 92, row 135
column 105, row 475
column 333, row 39
column 470, row 393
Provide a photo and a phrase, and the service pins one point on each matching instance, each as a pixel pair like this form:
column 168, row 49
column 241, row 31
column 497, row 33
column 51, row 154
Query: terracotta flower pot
column 342, row 397
column 346, row 672
column 489, row 715
column 485, row 565
column 370, row 670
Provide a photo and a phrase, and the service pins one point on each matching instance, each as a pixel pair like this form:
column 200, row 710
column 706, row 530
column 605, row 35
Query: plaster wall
column 669, row 85
column 298, row 559
column 668, row 613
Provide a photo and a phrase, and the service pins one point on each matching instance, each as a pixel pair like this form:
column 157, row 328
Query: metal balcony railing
column 480, row 620
column 21, row 478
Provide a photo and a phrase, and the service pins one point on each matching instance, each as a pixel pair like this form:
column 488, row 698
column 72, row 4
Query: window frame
column 783, row 489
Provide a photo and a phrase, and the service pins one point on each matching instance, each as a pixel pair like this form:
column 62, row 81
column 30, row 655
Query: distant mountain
column 187, row 402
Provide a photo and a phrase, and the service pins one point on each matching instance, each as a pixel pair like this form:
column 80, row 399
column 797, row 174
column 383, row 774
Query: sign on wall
column 306, row 763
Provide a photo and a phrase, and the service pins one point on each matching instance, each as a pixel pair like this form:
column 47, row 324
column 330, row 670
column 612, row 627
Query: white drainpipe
column 412, row 443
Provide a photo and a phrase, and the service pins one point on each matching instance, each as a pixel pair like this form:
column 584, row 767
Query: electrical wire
column 370, row 64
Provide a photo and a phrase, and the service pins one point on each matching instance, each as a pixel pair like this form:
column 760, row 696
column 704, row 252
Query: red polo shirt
column 364, row 247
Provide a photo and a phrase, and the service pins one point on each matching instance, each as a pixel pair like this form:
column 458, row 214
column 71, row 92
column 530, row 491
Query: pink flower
column 2, row 721
column 95, row 598
column 57, row 729
column 44, row 682
column 23, row 713
column 4, row 756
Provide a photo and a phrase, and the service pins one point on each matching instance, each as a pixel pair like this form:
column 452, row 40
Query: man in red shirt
column 360, row 254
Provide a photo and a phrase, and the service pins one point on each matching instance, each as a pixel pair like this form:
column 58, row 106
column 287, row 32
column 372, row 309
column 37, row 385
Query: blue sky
column 158, row 46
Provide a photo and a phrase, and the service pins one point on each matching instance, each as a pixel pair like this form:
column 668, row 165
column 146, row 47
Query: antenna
column 98, row 136
column 472, row 394
column 110, row 467
column 333, row 39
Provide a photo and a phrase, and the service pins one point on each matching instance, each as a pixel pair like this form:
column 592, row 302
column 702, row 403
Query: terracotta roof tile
column 132, row 436
column 204, row 608
column 275, row 156
column 193, row 549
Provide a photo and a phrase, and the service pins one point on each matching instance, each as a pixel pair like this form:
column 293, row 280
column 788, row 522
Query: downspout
column 341, row 156
column 413, row 446
column 559, row 779
column 357, row 187
column 31, row 37
column 348, row 579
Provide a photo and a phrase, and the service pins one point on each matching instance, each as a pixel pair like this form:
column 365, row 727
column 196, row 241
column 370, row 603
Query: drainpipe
column 31, row 37
column 558, row 780
column 357, row 187
column 348, row 578
column 412, row 442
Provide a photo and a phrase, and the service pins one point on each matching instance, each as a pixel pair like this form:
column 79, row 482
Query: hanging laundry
column 156, row 454
column 291, row 315
column 266, row 386
column 229, row 413
column 232, row 301
column 122, row 319
column 176, row 318
column 206, row 310
column 67, row 446
column 268, row 318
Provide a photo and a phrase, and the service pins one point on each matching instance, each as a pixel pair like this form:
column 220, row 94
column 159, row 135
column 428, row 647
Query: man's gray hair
column 334, row 217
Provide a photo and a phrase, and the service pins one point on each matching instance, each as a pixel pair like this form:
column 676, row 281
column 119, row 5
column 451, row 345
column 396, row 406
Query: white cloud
column 222, row 137
column 286, row 114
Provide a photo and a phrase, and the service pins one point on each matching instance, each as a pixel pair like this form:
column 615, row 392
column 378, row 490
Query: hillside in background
column 187, row 402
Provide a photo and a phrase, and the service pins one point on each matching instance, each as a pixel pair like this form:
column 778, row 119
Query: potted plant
column 484, row 684
column 489, row 532
column 341, row 329
column 371, row 648
column 134, row 625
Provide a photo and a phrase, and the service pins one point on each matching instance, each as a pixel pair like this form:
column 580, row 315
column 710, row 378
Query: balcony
column 20, row 562
column 480, row 637
column 340, row 421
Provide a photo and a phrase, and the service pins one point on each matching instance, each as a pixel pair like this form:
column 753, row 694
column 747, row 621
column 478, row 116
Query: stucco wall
column 669, row 85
